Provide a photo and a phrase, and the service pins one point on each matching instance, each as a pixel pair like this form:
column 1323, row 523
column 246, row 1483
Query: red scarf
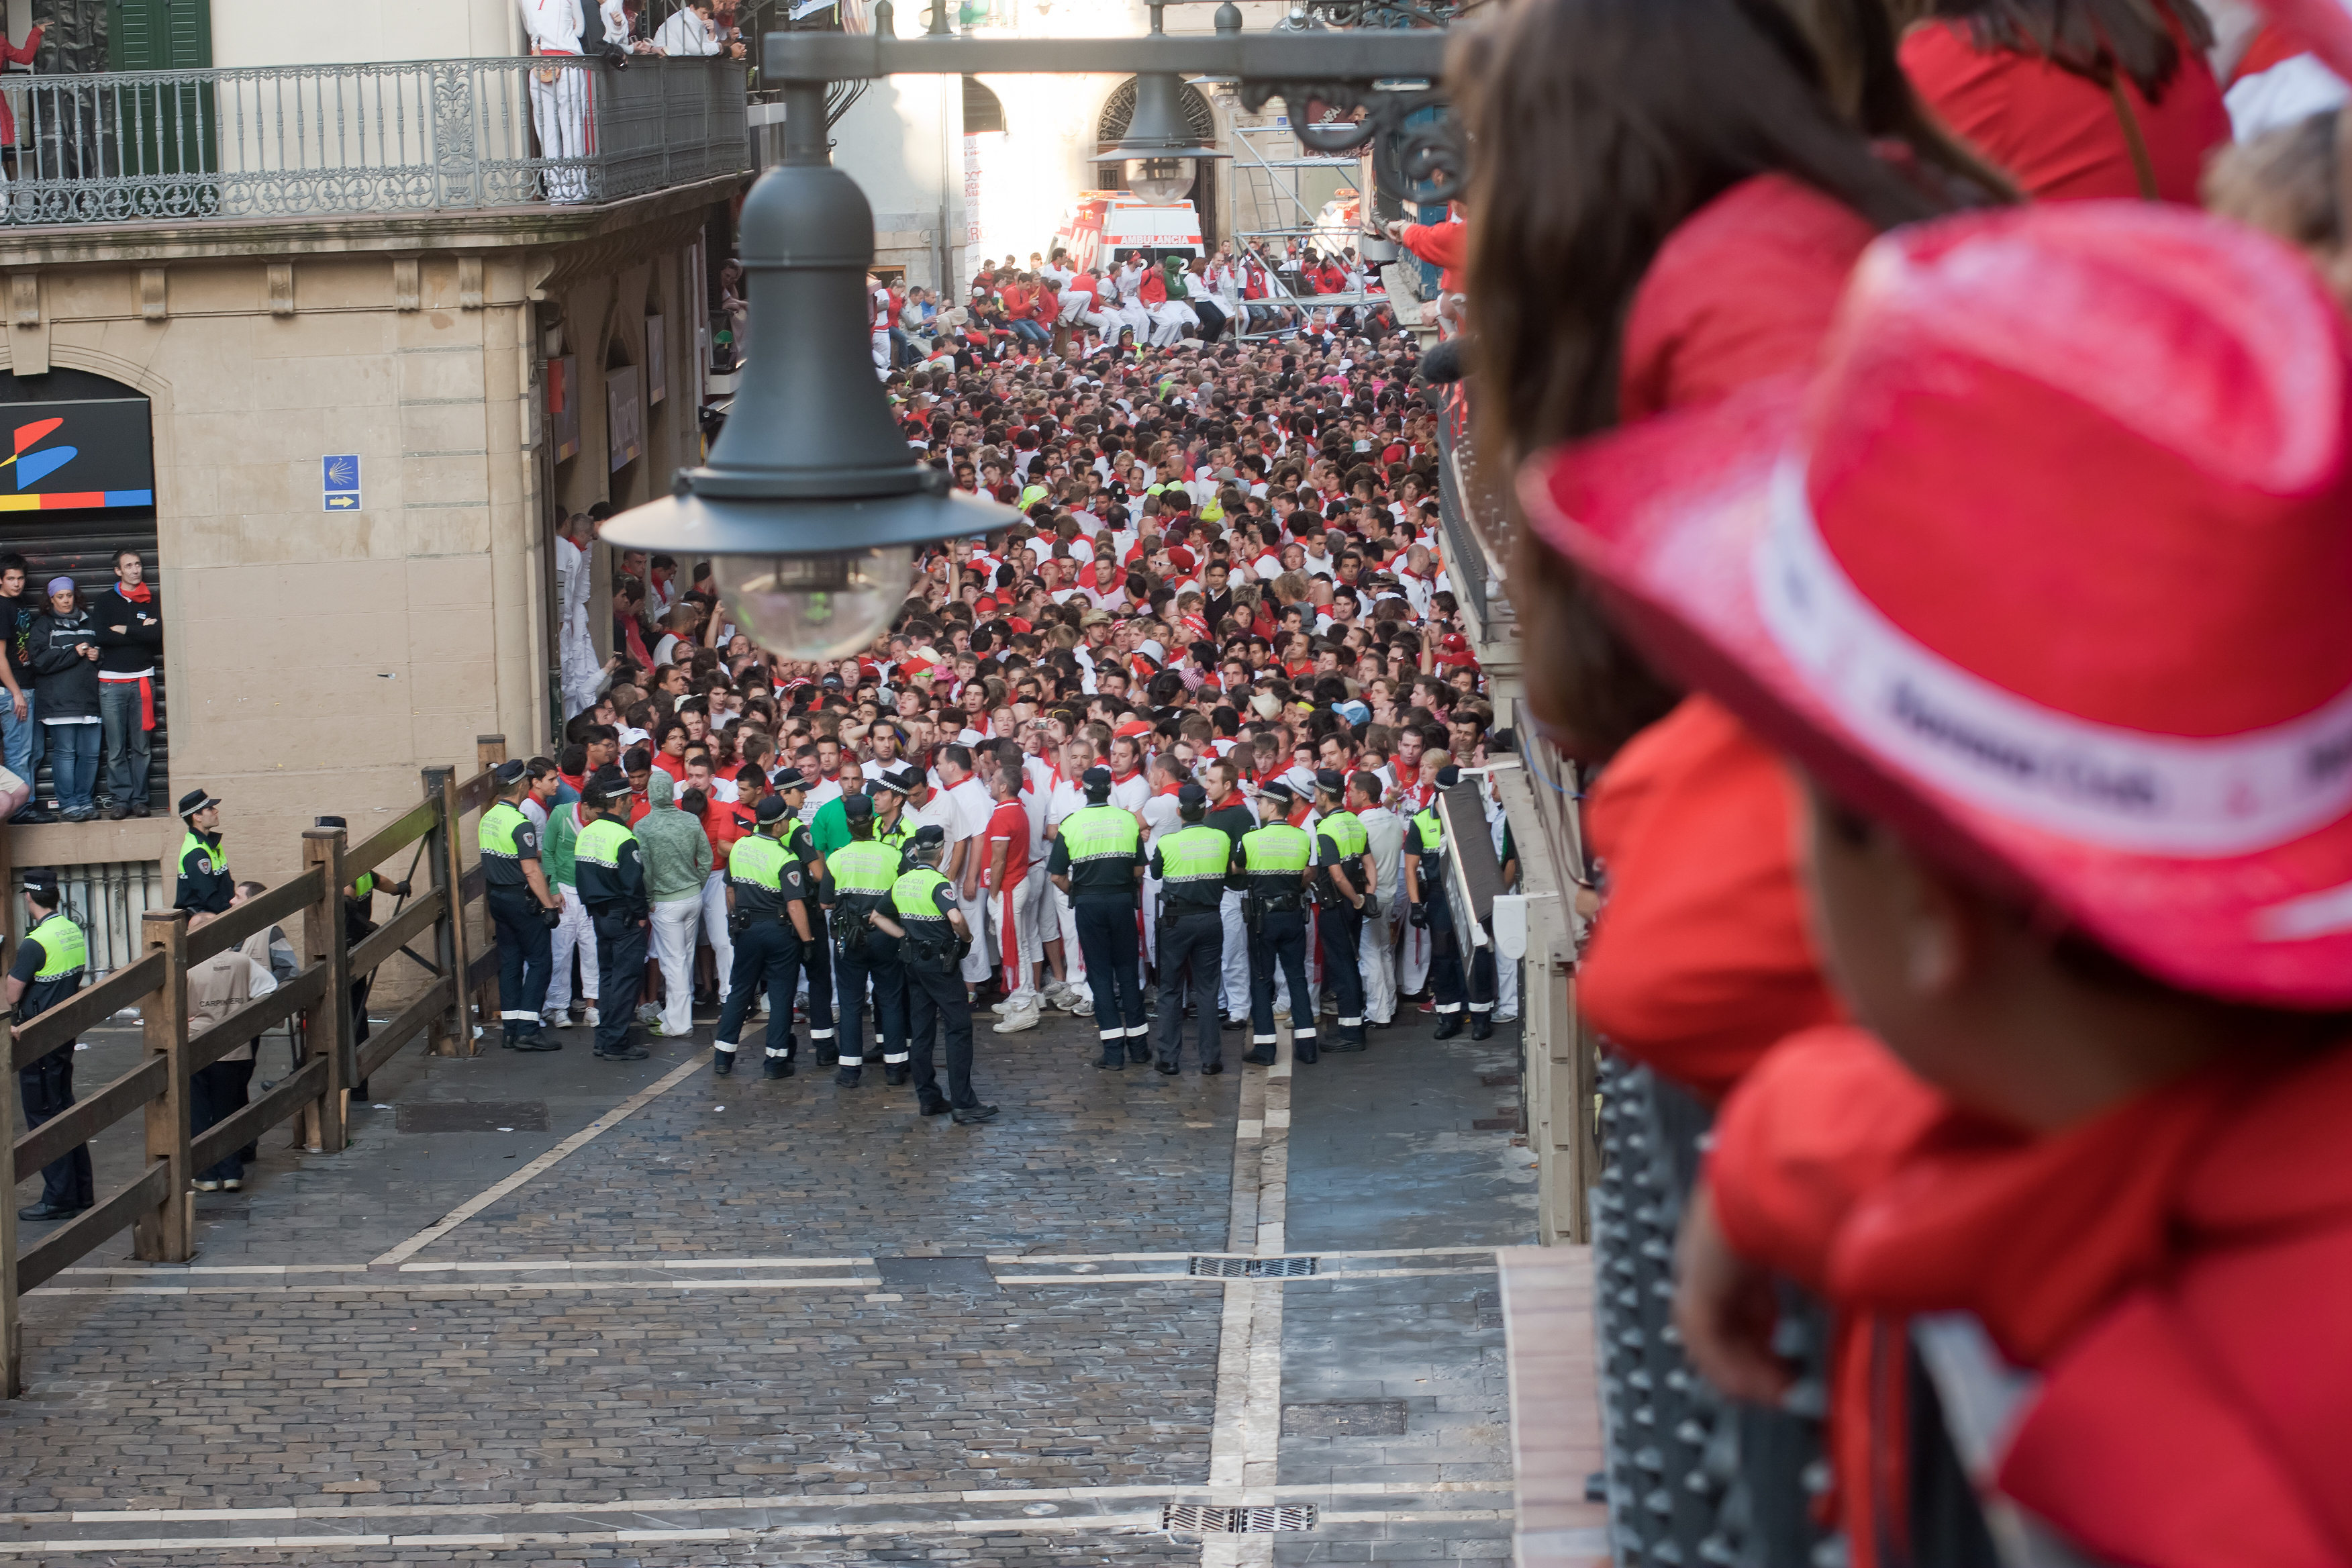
column 1118, row 778
column 138, row 595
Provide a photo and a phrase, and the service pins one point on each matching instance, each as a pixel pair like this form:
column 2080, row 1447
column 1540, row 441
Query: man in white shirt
column 689, row 31
column 1376, row 955
column 1065, row 797
column 559, row 93
column 968, row 852
column 1160, row 817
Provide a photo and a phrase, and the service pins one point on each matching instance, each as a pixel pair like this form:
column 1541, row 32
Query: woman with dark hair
column 2075, row 99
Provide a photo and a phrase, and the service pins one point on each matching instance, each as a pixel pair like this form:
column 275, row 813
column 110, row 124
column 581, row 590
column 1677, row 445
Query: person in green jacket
column 677, row 863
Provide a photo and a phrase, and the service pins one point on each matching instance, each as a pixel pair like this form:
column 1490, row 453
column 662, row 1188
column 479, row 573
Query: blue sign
column 340, row 476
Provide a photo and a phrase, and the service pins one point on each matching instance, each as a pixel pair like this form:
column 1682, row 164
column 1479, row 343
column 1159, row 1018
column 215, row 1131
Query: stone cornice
column 537, row 226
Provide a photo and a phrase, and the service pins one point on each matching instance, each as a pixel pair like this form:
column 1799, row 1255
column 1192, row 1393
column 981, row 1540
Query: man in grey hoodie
column 677, row 854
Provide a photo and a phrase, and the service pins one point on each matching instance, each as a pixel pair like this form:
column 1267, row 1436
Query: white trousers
column 1150, row 918
column 1506, row 989
column 1376, row 953
column 715, row 931
column 882, row 351
column 1073, row 955
column 1413, row 962
column 1013, row 936
column 1237, row 955
column 1168, row 322
column 1038, row 917
column 1135, row 318
column 674, row 924
column 559, row 112
column 576, row 932
column 981, row 958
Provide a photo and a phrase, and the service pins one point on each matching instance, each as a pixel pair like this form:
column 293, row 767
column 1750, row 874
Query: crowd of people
column 1061, row 309
column 1222, row 608
column 80, row 672
column 1936, row 564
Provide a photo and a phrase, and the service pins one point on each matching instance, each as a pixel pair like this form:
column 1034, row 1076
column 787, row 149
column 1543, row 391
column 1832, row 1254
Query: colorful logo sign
column 104, row 441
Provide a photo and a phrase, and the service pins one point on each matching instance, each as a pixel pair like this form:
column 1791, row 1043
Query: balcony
column 369, row 140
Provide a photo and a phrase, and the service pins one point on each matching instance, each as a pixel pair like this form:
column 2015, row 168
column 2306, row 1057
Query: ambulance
column 1106, row 226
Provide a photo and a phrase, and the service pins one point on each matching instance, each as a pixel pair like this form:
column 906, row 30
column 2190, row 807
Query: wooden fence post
column 12, row 1332
column 489, row 751
column 324, row 1121
column 166, row 1233
column 448, row 946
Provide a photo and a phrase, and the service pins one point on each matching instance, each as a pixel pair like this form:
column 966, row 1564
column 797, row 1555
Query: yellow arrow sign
column 340, row 503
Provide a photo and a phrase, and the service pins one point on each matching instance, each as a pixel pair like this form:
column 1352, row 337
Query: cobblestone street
column 550, row 1309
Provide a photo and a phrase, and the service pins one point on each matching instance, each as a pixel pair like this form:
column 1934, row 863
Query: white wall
column 903, row 143
column 268, row 33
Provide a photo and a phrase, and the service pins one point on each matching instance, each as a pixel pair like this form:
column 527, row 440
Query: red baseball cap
column 1132, row 727
column 2047, row 568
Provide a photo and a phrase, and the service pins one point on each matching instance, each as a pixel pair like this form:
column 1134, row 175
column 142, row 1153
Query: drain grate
column 1199, row 1519
column 1253, row 1268
column 472, row 1116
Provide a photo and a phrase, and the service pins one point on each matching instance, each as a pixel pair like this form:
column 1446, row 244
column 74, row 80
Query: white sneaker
column 1282, row 1014
column 592, row 1020
column 556, row 1018
column 1006, row 1005
column 1083, row 1007
column 1014, row 1022
column 647, row 1012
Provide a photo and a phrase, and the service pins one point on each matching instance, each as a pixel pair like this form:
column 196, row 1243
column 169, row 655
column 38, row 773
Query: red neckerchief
column 1119, row 778
column 1167, row 789
column 138, row 595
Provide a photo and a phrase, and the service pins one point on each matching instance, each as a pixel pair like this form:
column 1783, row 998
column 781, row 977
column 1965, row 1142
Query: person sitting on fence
column 52, row 960
column 217, row 987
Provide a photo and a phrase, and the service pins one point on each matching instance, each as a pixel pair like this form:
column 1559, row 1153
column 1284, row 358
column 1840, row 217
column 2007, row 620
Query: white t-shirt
column 1161, row 816
column 973, row 809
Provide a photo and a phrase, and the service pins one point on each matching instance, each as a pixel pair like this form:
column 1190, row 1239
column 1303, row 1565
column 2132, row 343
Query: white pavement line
column 429, row 1268
column 476, row 1204
column 1181, row 1256
column 440, row 1286
column 314, row 1544
column 1245, row 1440
column 777, row 1501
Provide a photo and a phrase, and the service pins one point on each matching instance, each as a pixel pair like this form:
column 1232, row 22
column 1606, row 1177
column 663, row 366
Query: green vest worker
column 857, row 878
column 1191, row 864
column 922, row 914
column 767, row 912
column 1271, row 863
column 1098, row 860
column 1340, row 850
column 523, row 909
column 51, row 960
column 612, row 888
column 206, row 885
column 1425, row 881
column 816, row 959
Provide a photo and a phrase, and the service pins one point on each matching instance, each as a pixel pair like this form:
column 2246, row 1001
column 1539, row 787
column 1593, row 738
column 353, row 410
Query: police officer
column 1192, row 865
column 1344, row 895
column 857, row 878
column 51, row 960
column 933, row 939
column 612, row 888
column 767, row 914
column 816, row 958
column 1097, row 861
column 892, row 826
column 206, row 885
column 1270, row 865
column 1424, row 882
column 523, row 909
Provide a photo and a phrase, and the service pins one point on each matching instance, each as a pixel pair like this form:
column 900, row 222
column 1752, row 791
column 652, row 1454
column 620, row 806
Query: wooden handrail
column 256, row 1017
column 381, row 944
column 85, row 1118
column 390, row 839
column 476, row 794
column 384, row 1044
column 38, row 1036
column 237, row 1129
column 61, row 1247
column 224, row 931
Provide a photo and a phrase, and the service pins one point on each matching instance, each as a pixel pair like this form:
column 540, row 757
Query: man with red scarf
column 128, row 631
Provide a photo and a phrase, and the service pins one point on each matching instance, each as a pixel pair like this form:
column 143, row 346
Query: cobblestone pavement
column 640, row 1315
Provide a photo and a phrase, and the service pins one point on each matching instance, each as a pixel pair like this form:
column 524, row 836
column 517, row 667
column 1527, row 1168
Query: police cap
column 194, row 801
column 1448, row 776
column 1277, row 790
column 1096, row 780
column 610, row 782
column 856, row 807
column 788, row 779
column 902, row 779
column 1192, row 794
column 929, row 833
column 771, row 807
column 509, row 772
column 1331, row 779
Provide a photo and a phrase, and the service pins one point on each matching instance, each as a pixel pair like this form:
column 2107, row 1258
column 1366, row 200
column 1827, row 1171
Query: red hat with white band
column 2049, row 567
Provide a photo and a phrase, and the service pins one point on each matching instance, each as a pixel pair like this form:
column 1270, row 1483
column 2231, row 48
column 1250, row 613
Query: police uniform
column 205, row 886
column 1340, row 842
column 612, row 888
column 1099, row 849
column 52, row 961
column 858, row 877
column 816, row 958
column 1271, row 861
column 932, row 954
column 1424, row 840
column 508, row 838
column 768, row 881
column 1192, row 865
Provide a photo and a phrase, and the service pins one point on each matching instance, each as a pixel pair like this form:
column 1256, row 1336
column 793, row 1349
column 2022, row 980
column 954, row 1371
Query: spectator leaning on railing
column 130, row 635
column 559, row 97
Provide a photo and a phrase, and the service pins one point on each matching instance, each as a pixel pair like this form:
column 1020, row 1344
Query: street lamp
column 812, row 505
column 1161, row 154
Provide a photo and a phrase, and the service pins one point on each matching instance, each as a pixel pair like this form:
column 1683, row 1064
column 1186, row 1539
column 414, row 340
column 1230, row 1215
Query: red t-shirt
column 674, row 766
column 723, row 823
column 2058, row 134
column 1009, row 825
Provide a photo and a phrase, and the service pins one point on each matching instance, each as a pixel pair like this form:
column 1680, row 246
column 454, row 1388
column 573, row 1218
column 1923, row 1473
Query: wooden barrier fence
column 158, row 1205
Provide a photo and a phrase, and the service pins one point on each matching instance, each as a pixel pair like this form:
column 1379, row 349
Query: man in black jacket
column 62, row 648
column 130, row 640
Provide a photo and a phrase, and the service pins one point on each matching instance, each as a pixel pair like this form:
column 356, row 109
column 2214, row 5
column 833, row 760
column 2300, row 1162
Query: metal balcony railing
column 354, row 139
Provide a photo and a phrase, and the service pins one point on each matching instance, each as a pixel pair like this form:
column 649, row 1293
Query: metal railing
column 405, row 136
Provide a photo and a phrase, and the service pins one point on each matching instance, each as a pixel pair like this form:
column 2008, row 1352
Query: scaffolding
column 1278, row 202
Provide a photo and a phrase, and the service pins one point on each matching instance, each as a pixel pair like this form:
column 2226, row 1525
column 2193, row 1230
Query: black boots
column 779, row 1067
column 722, row 1062
column 1482, row 1025
column 1449, row 1026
